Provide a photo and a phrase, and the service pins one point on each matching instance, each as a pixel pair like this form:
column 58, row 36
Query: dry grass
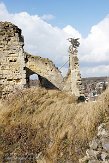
column 50, row 124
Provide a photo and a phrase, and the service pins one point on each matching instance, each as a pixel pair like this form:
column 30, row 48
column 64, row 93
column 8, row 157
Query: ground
column 48, row 126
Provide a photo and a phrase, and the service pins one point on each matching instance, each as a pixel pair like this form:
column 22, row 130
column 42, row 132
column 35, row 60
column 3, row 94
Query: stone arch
column 45, row 69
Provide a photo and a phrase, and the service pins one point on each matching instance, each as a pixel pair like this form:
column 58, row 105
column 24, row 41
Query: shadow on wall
column 36, row 80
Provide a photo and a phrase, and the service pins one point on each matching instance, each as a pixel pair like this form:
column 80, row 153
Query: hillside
column 48, row 126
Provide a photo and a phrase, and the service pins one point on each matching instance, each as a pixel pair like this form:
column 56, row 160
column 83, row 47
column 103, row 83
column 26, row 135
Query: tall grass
column 49, row 124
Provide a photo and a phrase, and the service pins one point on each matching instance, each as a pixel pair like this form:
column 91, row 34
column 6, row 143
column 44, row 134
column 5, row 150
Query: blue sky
column 46, row 25
column 81, row 14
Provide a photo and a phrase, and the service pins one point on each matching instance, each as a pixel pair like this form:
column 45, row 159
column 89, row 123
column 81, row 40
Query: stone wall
column 44, row 68
column 12, row 59
column 16, row 66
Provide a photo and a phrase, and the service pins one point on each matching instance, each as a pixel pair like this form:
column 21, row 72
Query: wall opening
column 34, row 80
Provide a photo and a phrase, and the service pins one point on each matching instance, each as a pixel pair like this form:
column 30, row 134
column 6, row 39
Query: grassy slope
column 49, row 123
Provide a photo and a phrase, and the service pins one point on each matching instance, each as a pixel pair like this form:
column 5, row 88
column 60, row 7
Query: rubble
column 98, row 151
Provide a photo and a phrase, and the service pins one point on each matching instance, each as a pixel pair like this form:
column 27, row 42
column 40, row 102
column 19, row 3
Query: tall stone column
column 75, row 76
column 72, row 82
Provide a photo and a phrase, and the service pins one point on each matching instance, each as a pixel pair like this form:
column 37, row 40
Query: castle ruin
column 16, row 66
column 12, row 59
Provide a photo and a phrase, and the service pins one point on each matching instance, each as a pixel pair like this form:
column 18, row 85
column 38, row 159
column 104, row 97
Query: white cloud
column 101, row 70
column 41, row 38
column 47, row 17
column 95, row 48
column 3, row 11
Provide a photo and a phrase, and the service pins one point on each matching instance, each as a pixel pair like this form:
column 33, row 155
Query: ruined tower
column 73, row 82
column 75, row 74
column 12, row 59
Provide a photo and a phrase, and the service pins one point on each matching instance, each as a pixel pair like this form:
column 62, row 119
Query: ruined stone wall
column 12, row 59
column 45, row 68
column 73, row 82
column 16, row 66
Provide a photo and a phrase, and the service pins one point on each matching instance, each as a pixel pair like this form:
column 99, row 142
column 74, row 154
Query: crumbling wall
column 44, row 68
column 12, row 59
column 16, row 66
column 73, row 82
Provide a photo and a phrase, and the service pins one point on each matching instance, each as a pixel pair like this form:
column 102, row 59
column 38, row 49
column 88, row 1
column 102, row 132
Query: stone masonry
column 12, row 59
column 16, row 66
column 76, row 81
column 73, row 82
column 44, row 68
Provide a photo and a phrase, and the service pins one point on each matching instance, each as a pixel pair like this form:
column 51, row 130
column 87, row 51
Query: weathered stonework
column 44, row 68
column 12, row 59
column 16, row 66
column 73, row 82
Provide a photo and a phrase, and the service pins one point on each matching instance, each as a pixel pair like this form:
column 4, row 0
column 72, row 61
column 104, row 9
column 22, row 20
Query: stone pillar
column 75, row 76
column 73, row 82
column 12, row 59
